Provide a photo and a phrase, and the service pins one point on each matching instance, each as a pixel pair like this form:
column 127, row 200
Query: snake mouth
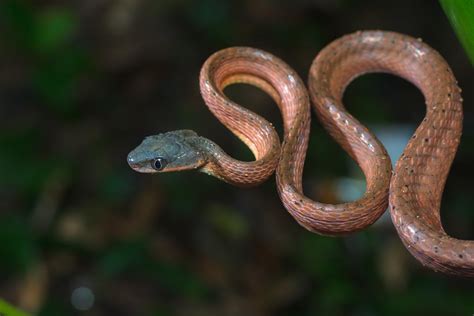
column 134, row 164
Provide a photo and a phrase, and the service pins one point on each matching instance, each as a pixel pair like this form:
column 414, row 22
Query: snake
column 412, row 191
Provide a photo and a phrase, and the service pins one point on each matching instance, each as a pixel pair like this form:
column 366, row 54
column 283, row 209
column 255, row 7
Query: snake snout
column 132, row 161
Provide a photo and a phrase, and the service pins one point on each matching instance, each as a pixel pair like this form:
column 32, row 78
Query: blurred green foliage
column 83, row 82
column 46, row 37
column 18, row 244
column 132, row 256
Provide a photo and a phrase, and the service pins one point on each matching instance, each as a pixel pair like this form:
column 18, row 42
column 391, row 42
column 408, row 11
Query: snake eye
column 158, row 163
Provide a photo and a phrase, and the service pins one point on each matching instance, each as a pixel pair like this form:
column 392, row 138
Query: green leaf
column 461, row 16
column 8, row 310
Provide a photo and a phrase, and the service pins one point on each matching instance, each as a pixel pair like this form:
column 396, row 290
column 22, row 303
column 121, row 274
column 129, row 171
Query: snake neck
column 212, row 153
column 239, row 173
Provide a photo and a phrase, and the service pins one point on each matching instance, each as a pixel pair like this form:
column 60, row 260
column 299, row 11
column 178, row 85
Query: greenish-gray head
column 172, row 151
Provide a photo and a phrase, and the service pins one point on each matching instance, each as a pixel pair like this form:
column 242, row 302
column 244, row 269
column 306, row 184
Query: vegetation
column 461, row 16
column 82, row 82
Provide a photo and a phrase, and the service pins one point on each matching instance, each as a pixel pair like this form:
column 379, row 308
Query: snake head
column 167, row 152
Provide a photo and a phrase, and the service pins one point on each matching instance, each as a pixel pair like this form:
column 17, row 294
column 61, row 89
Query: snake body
column 416, row 186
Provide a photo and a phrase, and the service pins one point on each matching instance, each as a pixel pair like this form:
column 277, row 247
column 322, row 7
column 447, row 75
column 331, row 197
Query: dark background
column 82, row 82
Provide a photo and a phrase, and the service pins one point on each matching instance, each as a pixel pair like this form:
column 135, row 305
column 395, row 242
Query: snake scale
column 413, row 190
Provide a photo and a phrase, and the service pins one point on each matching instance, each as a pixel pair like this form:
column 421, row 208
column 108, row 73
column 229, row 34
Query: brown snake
column 416, row 184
